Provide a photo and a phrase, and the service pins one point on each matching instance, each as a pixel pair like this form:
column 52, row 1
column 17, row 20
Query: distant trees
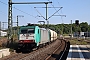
column 82, row 27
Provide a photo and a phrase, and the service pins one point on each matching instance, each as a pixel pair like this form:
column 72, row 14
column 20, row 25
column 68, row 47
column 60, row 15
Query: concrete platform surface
column 79, row 52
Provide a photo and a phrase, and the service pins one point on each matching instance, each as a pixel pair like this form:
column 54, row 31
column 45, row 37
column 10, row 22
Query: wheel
column 18, row 50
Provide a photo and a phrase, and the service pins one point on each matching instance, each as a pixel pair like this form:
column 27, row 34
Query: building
column 2, row 33
column 81, row 34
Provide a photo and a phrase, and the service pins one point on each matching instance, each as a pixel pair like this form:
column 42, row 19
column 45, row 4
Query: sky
column 73, row 9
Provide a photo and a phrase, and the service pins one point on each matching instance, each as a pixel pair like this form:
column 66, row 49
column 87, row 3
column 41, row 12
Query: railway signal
column 77, row 22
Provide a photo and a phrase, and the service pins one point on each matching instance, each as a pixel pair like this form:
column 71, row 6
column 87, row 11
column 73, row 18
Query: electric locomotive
column 32, row 36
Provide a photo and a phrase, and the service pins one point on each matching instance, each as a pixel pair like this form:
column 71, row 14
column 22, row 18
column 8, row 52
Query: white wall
column 3, row 33
column 4, row 52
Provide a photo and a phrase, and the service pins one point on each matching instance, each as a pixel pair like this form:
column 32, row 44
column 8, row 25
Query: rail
column 47, row 58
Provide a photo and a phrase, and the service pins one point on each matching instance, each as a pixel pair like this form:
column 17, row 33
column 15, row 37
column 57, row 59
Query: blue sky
column 73, row 9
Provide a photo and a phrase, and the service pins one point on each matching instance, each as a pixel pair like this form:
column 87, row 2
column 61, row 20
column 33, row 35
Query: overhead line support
column 31, row 2
column 47, row 12
column 47, row 7
column 60, row 15
column 10, row 21
column 55, row 12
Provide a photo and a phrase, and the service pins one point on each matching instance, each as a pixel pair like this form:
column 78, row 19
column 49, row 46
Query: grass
column 78, row 42
column 12, row 46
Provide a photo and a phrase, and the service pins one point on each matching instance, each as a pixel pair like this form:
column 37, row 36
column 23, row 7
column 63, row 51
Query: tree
column 84, row 26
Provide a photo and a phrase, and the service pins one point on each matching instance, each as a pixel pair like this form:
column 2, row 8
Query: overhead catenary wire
column 5, row 14
column 48, row 7
column 24, row 12
column 3, row 3
column 55, row 12
column 39, row 13
column 19, row 10
column 58, row 12
column 59, row 4
column 54, row 7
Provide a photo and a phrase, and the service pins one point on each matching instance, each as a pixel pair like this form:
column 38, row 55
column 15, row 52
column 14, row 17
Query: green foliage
column 83, row 27
column 78, row 42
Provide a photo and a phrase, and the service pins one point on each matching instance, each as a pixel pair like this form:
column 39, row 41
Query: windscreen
column 24, row 31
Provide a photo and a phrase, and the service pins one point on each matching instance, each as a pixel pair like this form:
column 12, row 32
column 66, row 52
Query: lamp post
column 71, row 29
column 0, row 29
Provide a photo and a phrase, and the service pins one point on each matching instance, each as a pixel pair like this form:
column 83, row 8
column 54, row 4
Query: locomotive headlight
column 21, row 41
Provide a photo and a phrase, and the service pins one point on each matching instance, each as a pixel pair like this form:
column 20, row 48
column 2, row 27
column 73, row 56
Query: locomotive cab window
column 30, row 30
column 24, row 31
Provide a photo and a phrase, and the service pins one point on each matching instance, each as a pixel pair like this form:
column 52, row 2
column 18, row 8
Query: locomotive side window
column 38, row 30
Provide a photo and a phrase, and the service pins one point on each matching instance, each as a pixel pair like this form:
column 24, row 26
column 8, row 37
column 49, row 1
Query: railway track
column 65, row 48
column 56, row 53
column 46, row 53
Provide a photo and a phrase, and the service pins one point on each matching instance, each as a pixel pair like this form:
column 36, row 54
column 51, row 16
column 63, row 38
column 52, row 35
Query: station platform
column 79, row 52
